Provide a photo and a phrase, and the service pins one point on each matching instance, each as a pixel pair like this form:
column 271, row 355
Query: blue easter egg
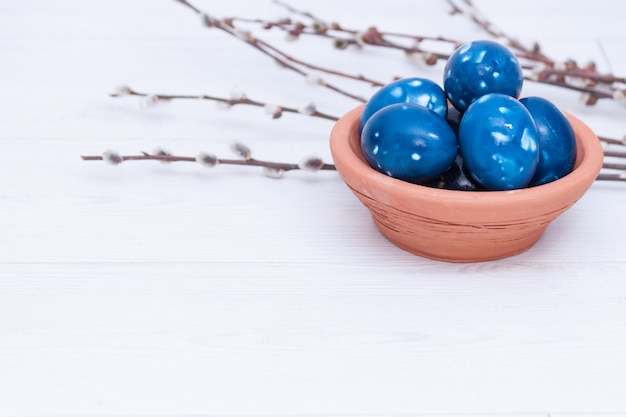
column 409, row 142
column 557, row 142
column 478, row 68
column 414, row 90
column 499, row 142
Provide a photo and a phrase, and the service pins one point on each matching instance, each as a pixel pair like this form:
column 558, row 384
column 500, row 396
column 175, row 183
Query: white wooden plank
column 400, row 344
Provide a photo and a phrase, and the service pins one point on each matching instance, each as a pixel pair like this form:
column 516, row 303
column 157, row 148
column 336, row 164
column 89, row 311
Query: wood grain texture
column 154, row 289
column 124, row 333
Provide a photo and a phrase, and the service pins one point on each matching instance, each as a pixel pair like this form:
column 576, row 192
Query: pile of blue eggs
column 472, row 133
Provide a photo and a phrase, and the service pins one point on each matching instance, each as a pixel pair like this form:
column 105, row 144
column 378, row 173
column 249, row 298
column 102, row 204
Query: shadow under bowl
column 461, row 226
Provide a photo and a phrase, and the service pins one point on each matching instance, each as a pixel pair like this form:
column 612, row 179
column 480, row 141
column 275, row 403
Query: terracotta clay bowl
column 461, row 226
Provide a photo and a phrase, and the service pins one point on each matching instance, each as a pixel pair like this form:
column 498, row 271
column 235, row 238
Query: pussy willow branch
column 265, row 48
column 614, row 165
column 614, row 176
column 614, row 153
column 321, row 26
column 538, row 67
column 588, row 81
column 372, row 36
column 271, row 169
column 274, row 110
column 613, row 141
column 585, row 80
column 218, row 161
column 277, row 169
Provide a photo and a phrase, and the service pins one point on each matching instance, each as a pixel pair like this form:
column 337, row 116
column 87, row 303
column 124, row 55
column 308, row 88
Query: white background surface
column 174, row 290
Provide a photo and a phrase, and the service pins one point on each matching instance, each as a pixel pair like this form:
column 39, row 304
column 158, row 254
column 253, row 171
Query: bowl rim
column 590, row 157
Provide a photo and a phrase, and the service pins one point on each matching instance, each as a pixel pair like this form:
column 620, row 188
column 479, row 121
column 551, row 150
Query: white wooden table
column 152, row 289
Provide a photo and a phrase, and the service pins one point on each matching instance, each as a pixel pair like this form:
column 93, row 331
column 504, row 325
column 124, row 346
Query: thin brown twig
column 284, row 60
column 371, row 36
column 320, row 26
column 612, row 141
column 614, row 165
column 613, row 176
column 271, row 168
column 274, row 110
column 538, row 67
column 614, row 154
column 276, row 169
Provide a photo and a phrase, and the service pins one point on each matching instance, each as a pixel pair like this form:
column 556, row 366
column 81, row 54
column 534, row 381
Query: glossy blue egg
column 415, row 90
column 557, row 142
column 478, row 68
column 409, row 142
column 498, row 141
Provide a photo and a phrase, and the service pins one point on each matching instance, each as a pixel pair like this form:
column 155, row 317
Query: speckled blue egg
column 498, row 141
column 557, row 142
column 409, row 142
column 478, row 68
column 414, row 90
